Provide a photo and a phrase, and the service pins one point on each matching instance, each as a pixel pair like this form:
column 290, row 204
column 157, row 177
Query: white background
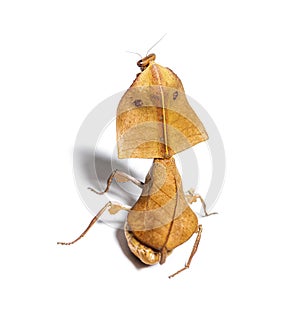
column 240, row 60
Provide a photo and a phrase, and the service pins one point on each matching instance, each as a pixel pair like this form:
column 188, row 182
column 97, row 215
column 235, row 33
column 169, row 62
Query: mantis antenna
column 155, row 44
column 134, row 53
column 148, row 49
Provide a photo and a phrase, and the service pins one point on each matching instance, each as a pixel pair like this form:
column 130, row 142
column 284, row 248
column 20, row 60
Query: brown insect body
column 161, row 218
column 155, row 120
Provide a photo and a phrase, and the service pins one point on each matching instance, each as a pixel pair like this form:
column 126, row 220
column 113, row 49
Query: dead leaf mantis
column 155, row 120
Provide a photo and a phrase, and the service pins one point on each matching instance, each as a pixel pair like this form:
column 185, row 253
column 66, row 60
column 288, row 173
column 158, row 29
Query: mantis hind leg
column 112, row 208
column 194, row 250
column 192, row 197
column 119, row 176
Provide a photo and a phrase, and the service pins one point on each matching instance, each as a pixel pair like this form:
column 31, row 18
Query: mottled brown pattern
column 161, row 218
column 172, row 125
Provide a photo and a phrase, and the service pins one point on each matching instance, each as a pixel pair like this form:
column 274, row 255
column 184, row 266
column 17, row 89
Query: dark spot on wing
column 175, row 95
column 138, row 102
